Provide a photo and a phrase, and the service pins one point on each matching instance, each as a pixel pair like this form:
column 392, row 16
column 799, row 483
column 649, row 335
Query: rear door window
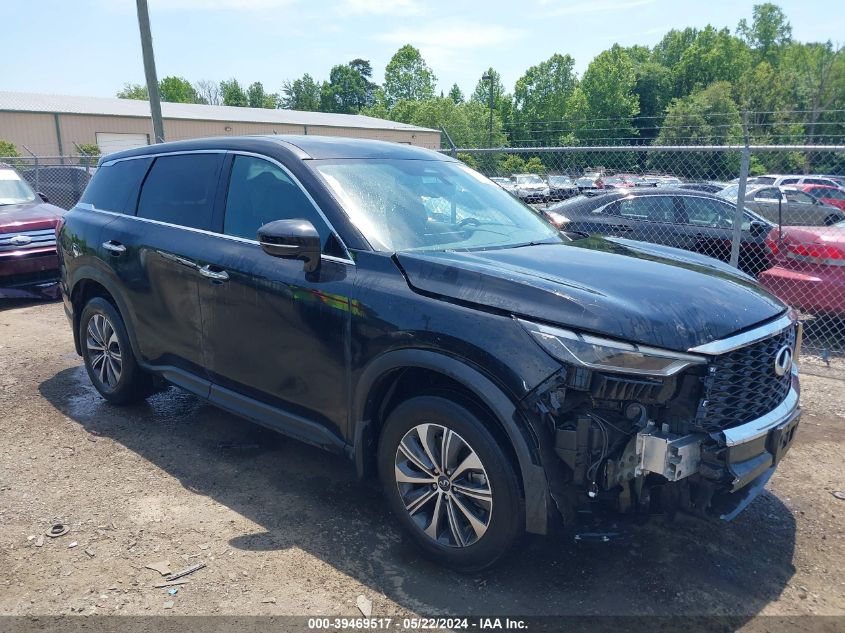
column 180, row 190
column 649, row 208
column 115, row 187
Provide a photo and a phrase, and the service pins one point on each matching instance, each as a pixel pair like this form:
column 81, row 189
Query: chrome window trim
column 88, row 207
column 111, row 162
column 731, row 343
column 346, row 260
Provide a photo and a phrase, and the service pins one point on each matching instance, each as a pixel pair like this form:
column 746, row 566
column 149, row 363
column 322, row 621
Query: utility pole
column 489, row 77
column 150, row 69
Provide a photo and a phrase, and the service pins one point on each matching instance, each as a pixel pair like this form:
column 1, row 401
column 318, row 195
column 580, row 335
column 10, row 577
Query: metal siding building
column 51, row 125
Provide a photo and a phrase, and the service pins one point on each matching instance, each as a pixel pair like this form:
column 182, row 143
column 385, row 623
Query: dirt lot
column 286, row 529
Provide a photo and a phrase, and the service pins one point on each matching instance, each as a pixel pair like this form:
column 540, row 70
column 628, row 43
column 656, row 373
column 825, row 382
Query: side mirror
column 292, row 239
column 757, row 229
column 43, row 197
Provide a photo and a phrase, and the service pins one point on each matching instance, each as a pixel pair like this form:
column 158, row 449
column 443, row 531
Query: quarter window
column 180, row 190
column 115, row 188
column 261, row 192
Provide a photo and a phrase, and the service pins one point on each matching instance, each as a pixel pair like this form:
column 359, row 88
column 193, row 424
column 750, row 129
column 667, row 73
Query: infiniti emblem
column 783, row 360
column 20, row 240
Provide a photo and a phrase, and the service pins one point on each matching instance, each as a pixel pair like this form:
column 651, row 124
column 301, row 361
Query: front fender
column 514, row 423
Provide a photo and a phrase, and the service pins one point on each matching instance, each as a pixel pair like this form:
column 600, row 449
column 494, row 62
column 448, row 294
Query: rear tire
column 462, row 506
column 108, row 355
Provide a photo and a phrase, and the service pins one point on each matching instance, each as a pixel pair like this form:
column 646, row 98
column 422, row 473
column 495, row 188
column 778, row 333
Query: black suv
column 392, row 305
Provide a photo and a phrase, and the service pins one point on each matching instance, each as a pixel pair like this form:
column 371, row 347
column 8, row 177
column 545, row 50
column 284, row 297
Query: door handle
column 216, row 275
column 115, row 247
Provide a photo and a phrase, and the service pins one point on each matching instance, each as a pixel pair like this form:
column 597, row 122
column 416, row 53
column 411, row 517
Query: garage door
column 109, row 142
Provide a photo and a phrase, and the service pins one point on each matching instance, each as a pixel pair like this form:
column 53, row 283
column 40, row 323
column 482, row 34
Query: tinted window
column 707, row 212
column 765, row 180
column 789, row 181
column 180, row 190
column 834, row 194
column 766, row 194
column 816, row 181
column 652, row 208
column 798, row 196
column 260, row 192
column 115, row 188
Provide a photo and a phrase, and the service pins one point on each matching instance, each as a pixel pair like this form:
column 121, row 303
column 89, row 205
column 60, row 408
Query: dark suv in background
column 392, row 305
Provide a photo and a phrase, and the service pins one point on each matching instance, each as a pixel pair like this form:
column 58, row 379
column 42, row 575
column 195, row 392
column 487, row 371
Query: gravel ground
column 285, row 529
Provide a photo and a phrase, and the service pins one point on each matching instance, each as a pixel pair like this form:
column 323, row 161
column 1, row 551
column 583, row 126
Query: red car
column 827, row 194
column 808, row 269
column 29, row 266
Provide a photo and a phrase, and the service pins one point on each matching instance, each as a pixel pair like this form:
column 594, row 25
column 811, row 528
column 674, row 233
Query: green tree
column 712, row 56
column 468, row 160
column 467, row 123
column 816, row 73
column 708, row 117
column 654, row 91
column 456, row 94
column 541, row 99
column 669, row 50
column 301, row 94
column 89, row 149
column 512, row 164
column 608, row 88
column 348, row 89
column 534, row 165
column 769, row 32
column 8, row 149
column 133, row 91
column 407, row 76
column 232, row 94
column 256, row 96
column 177, row 90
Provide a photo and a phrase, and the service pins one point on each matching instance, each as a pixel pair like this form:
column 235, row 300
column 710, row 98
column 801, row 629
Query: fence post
column 37, row 170
column 453, row 152
column 739, row 216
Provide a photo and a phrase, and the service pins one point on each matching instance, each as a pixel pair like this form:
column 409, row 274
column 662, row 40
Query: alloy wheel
column 104, row 352
column 443, row 485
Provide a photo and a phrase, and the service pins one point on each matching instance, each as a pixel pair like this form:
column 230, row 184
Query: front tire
column 450, row 483
column 108, row 356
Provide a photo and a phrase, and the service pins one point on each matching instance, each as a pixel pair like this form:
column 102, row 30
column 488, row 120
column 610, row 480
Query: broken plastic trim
column 608, row 355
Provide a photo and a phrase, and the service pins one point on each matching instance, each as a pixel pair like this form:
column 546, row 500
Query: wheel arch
column 90, row 282
column 375, row 392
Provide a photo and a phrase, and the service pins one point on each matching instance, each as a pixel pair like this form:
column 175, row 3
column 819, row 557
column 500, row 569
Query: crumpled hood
column 635, row 291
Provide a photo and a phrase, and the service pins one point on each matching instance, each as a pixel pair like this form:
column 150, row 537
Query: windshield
column 530, row 179
column 430, row 205
column 13, row 190
column 730, row 192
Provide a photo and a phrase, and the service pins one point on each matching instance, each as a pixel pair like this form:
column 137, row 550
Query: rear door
column 156, row 251
column 653, row 218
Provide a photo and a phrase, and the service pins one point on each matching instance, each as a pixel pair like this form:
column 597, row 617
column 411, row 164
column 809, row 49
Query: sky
column 92, row 47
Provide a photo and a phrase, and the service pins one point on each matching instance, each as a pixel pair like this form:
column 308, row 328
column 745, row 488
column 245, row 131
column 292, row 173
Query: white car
column 505, row 183
column 530, row 187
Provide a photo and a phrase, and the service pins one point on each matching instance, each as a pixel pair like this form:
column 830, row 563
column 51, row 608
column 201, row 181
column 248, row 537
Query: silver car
column 785, row 205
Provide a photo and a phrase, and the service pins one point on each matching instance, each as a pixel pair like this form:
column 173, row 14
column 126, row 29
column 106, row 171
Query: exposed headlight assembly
column 608, row 355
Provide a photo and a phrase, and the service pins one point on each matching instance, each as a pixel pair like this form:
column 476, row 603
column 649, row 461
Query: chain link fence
column 776, row 212
column 784, row 226
column 61, row 179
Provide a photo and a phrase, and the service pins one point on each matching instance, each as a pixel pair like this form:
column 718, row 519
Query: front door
column 272, row 332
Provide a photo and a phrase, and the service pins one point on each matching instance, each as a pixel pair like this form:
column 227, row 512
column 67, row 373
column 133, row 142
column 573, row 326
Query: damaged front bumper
column 727, row 469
